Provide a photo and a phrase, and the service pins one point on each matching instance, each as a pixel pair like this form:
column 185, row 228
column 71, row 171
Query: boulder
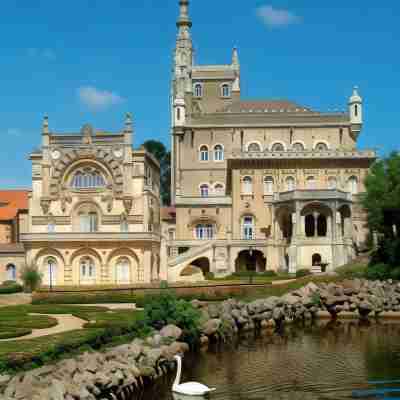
column 171, row 331
column 211, row 326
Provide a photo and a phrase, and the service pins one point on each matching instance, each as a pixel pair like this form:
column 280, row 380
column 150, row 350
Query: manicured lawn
column 102, row 327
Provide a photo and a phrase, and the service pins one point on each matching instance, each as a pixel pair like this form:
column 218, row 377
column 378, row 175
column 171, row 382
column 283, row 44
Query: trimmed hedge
column 9, row 287
column 302, row 272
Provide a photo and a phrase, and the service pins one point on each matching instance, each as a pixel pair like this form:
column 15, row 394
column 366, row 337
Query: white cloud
column 277, row 18
column 97, row 99
column 47, row 54
column 14, row 132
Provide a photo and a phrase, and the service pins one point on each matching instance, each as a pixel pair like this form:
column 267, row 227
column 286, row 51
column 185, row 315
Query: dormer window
column 225, row 90
column 88, row 179
column 198, row 90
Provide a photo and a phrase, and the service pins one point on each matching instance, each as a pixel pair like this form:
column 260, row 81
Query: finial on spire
column 184, row 19
column 128, row 122
column 45, row 125
column 355, row 97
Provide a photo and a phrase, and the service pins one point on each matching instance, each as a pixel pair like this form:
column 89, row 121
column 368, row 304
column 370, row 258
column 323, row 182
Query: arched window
column 203, row 153
column 310, row 225
column 204, row 190
column 298, row 146
column 254, row 147
column 205, row 231
column 50, row 271
column 248, row 231
column 290, row 183
column 87, row 271
column 11, row 271
column 123, row 271
column 218, row 153
column 247, row 185
column 322, row 226
column 353, row 185
column 198, row 90
column 225, row 90
column 219, row 189
column 321, row 146
column 332, row 182
column 268, row 185
column 88, row 221
column 89, row 179
column 311, row 182
column 278, row 147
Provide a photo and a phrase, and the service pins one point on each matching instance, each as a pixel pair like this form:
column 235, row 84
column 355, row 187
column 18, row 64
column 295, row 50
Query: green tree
column 382, row 191
column 163, row 156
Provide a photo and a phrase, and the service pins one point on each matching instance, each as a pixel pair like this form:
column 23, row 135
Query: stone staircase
column 192, row 253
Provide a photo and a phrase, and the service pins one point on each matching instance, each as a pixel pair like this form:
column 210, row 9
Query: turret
column 355, row 111
column 236, row 83
column 128, row 130
column 45, row 131
column 179, row 112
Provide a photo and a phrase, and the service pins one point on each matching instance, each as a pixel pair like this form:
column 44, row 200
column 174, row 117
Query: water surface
column 323, row 361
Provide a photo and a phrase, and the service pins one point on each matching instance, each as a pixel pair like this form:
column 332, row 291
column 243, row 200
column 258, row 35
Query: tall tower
column 181, row 88
column 355, row 112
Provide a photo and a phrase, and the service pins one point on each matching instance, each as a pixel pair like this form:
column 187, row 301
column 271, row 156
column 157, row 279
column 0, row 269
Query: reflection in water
column 323, row 361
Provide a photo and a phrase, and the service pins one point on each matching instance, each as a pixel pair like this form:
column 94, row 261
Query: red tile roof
column 11, row 201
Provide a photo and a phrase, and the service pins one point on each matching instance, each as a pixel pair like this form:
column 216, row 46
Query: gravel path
column 66, row 322
column 15, row 299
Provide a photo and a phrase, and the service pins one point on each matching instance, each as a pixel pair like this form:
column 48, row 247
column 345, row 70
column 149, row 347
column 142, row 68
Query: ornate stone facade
column 260, row 184
column 94, row 209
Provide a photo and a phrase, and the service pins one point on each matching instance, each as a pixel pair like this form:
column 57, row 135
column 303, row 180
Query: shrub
column 210, row 276
column 351, row 271
column 378, row 272
column 168, row 309
column 10, row 288
column 395, row 274
column 164, row 285
column 302, row 272
column 31, row 277
column 247, row 274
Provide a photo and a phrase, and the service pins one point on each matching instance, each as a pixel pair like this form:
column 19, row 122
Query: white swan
column 188, row 388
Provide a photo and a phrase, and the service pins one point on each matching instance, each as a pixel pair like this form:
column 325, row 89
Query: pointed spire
column 184, row 20
column 128, row 122
column 355, row 97
column 235, row 57
column 45, row 125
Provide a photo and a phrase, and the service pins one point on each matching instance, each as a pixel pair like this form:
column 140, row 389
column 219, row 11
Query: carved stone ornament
column 128, row 203
column 109, row 198
column 64, row 199
column 45, row 203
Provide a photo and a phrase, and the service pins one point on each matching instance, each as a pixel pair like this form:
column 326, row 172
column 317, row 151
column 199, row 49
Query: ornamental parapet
column 91, row 237
column 312, row 194
column 203, row 201
column 308, row 154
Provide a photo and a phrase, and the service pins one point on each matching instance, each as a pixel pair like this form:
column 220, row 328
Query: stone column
column 104, row 275
column 316, row 215
column 299, row 221
column 329, row 227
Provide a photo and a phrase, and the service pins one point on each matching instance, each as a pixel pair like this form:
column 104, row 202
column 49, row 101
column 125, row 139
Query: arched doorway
column 250, row 260
column 123, row 271
column 49, row 272
column 316, row 259
column 11, row 272
column 87, row 271
column 203, row 263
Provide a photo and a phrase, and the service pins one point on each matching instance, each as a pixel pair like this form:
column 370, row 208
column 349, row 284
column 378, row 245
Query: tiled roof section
column 266, row 106
column 11, row 201
column 168, row 213
column 12, row 248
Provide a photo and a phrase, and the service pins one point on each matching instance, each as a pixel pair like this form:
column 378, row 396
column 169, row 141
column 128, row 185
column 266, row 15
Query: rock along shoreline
column 122, row 371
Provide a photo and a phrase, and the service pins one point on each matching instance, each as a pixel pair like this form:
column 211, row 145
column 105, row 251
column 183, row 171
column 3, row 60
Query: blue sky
column 91, row 61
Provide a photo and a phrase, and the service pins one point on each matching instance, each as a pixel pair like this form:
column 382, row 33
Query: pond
column 324, row 361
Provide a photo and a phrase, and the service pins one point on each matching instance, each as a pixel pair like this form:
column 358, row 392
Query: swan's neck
column 178, row 372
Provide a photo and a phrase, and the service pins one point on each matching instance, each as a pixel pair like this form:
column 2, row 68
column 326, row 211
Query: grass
column 102, row 327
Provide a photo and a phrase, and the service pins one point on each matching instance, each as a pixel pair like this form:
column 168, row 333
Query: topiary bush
column 395, row 274
column 167, row 309
column 302, row 272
